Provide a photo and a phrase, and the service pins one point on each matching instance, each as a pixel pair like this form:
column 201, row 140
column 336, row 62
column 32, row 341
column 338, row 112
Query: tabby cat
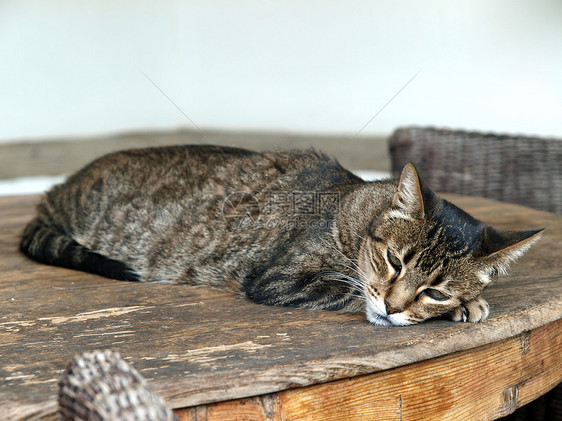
column 290, row 228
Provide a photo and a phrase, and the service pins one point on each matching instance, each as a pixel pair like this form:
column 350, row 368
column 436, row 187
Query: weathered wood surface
column 487, row 382
column 197, row 346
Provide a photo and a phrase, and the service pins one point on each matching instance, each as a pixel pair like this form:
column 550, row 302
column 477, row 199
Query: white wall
column 76, row 67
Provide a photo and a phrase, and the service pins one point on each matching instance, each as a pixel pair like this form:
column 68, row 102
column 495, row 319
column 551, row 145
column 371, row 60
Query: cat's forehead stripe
column 377, row 239
column 437, row 280
column 408, row 255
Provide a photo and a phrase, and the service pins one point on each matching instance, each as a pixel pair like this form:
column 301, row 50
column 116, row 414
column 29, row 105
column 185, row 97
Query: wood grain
column 483, row 383
column 198, row 347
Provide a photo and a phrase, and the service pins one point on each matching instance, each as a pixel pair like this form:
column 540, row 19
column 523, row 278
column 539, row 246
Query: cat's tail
column 48, row 244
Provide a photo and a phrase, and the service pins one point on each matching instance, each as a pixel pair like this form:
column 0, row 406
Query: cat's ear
column 499, row 248
column 413, row 195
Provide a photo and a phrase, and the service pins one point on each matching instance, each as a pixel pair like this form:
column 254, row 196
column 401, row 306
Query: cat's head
column 425, row 257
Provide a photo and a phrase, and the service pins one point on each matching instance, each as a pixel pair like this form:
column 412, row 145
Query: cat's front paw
column 473, row 311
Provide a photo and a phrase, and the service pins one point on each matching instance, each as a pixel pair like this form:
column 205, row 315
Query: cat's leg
column 296, row 276
column 474, row 311
column 46, row 243
column 302, row 290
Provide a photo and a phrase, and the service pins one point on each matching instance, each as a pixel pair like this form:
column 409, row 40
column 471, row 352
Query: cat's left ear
column 499, row 248
column 412, row 196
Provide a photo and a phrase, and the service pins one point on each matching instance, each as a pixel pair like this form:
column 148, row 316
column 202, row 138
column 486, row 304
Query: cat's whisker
column 355, row 296
column 351, row 293
column 359, row 273
column 351, row 279
column 348, row 280
column 338, row 251
column 358, row 281
column 345, row 282
column 357, row 269
column 352, row 261
column 354, row 233
column 355, row 285
column 351, row 282
column 362, row 275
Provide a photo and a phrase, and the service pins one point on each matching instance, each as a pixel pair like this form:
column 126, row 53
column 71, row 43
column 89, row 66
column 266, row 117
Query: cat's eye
column 435, row 294
column 394, row 261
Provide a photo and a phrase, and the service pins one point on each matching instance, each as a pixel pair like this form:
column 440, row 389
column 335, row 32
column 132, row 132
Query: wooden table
column 221, row 357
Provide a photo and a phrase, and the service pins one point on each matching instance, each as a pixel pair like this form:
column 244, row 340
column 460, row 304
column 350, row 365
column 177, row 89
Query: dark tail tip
column 47, row 244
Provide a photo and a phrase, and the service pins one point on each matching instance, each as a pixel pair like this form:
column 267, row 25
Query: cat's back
column 161, row 163
column 174, row 177
column 192, row 166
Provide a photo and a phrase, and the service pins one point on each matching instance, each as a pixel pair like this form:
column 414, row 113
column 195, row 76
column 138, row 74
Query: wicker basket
column 100, row 386
column 517, row 169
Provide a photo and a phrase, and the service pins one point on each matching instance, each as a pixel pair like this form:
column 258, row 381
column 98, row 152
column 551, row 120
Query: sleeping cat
column 289, row 228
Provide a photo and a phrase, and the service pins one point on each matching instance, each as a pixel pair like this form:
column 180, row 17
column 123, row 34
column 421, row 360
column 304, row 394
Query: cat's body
column 283, row 228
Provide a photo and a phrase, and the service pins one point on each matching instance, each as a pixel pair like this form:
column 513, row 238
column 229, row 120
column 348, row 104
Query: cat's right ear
column 499, row 248
column 408, row 198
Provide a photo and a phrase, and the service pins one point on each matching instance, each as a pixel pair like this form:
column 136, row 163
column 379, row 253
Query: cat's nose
column 390, row 309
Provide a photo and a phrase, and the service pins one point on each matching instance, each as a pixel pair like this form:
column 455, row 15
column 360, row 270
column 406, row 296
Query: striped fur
column 288, row 228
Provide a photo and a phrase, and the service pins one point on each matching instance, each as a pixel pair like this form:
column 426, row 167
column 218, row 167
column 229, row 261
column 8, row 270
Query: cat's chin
column 392, row 320
column 378, row 320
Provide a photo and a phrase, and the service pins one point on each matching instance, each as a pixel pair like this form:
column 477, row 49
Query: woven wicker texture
column 524, row 170
column 100, row 386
